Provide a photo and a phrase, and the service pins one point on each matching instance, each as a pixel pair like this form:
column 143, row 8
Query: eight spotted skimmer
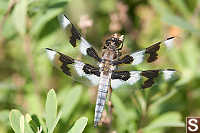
column 105, row 74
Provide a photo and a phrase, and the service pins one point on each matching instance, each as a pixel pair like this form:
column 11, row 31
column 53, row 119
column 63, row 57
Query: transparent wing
column 74, row 68
column 120, row 78
column 75, row 38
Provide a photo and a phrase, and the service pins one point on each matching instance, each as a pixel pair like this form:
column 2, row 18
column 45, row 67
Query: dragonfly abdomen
column 104, row 84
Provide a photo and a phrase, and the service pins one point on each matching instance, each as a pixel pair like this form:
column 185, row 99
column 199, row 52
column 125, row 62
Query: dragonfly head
column 114, row 42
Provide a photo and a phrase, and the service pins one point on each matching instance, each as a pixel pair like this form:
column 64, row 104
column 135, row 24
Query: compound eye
column 108, row 43
column 117, row 42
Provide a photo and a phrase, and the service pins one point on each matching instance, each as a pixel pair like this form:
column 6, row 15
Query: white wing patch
column 79, row 69
column 51, row 54
column 168, row 74
column 138, row 57
column 64, row 22
column 84, row 45
column 115, row 83
column 134, row 77
column 94, row 79
column 169, row 42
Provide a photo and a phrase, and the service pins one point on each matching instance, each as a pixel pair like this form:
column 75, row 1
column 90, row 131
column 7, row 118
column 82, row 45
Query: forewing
column 120, row 78
column 78, row 70
column 76, row 39
column 151, row 53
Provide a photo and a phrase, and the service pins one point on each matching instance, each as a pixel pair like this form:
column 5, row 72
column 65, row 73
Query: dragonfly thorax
column 114, row 42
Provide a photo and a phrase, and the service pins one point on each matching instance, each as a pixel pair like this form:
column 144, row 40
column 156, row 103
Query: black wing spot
column 75, row 36
column 152, row 51
column 171, row 69
column 91, row 52
column 65, row 61
column 126, row 60
column 151, row 75
column 123, row 75
column 148, row 83
column 89, row 69
column 170, row 38
column 65, row 69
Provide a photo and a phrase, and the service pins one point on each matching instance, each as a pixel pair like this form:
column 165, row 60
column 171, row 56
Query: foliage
column 27, row 27
column 32, row 124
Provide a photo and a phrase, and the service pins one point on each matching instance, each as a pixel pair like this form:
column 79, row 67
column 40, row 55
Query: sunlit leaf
column 18, row 123
column 14, row 117
column 79, row 125
column 22, row 124
column 71, row 99
column 42, row 19
column 51, row 109
column 170, row 119
column 55, row 122
column 19, row 16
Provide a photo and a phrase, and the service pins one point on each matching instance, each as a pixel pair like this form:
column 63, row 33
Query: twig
column 10, row 7
column 27, row 48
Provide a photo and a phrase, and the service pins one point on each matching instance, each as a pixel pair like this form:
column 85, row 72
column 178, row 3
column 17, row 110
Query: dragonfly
column 106, row 73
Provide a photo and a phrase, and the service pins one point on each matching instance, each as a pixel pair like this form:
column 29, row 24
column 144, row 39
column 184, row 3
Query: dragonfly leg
column 110, row 106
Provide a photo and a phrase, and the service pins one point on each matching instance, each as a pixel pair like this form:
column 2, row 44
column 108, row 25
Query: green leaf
column 19, row 16
column 22, row 124
column 79, row 125
column 34, row 103
column 120, row 110
column 42, row 19
column 153, row 108
column 34, row 122
column 68, row 103
column 171, row 18
column 4, row 116
column 170, row 119
column 18, row 123
column 181, row 5
column 4, row 5
column 15, row 117
column 161, row 7
column 124, row 115
column 55, row 122
column 27, row 128
column 51, row 109
column 179, row 22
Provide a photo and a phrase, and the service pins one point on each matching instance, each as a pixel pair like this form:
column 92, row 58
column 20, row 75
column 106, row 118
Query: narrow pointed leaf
column 51, row 109
column 55, row 122
column 170, row 119
column 79, row 125
column 14, row 117
column 19, row 16
column 70, row 101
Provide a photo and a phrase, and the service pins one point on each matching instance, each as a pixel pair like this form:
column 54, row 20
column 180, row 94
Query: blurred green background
column 26, row 75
